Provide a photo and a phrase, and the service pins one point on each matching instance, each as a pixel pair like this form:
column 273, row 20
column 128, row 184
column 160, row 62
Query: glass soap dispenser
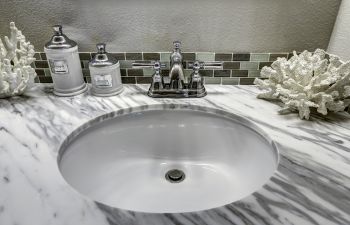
column 105, row 73
column 64, row 62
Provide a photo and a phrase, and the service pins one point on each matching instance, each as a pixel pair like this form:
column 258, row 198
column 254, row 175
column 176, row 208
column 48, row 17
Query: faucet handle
column 197, row 65
column 196, row 80
column 213, row 65
column 156, row 65
column 157, row 78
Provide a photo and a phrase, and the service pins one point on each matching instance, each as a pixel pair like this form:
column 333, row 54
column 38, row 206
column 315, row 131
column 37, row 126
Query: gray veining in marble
column 311, row 185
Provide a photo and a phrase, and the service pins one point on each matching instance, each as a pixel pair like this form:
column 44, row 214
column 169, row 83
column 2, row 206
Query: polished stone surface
column 311, row 185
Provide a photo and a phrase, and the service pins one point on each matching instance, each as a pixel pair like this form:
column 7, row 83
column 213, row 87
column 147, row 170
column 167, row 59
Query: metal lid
column 102, row 58
column 59, row 40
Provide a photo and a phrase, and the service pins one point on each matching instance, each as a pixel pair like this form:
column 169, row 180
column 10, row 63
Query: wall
column 202, row 25
column 340, row 41
column 241, row 68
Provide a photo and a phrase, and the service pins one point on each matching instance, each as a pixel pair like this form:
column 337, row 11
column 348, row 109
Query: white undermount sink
column 166, row 160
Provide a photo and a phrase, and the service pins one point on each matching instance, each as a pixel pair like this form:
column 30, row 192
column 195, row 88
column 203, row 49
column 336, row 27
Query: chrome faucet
column 176, row 74
column 175, row 86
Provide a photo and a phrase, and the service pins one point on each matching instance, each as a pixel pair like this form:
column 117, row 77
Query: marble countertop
column 310, row 186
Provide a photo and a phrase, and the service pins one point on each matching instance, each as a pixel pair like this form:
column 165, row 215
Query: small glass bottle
column 62, row 54
column 105, row 73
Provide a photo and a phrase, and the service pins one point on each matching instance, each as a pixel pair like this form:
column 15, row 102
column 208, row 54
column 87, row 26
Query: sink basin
column 168, row 159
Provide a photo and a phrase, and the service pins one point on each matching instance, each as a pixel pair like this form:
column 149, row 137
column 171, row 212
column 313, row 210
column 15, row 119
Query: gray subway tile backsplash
column 263, row 64
column 230, row 81
column 133, row 56
column 241, row 57
column 165, row 72
column 124, row 64
column 165, row 56
column 205, row 56
column 123, row 72
column 45, row 79
column 223, row 57
column 148, row 72
column 254, row 73
column 212, row 80
column 40, row 72
column 207, row 73
column 135, row 72
column 85, row 56
column 128, row 80
column 42, row 56
column 151, row 56
column 231, row 65
column 239, row 73
column 119, row 56
column 238, row 68
column 47, row 72
column 259, row 57
column 189, row 56
column 246, row 81
column 41, row 64
column 144, row 80
column 249, row 65
column 222, row 73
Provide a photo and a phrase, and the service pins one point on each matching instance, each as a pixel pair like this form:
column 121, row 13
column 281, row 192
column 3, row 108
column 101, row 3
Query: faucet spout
column 176, row 74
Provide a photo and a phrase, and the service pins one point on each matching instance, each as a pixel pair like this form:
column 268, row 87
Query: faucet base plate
column 172, row 93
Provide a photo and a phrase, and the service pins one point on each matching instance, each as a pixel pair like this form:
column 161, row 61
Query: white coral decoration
column 308, row 80
column 16, row 58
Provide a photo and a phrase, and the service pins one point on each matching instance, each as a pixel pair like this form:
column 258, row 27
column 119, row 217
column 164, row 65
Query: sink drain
column 175, row 176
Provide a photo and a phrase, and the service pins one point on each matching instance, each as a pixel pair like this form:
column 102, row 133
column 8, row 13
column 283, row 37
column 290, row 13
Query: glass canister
column 62, row 54
column 105, row 73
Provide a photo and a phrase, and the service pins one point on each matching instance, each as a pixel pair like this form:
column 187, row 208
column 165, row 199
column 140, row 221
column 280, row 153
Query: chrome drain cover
column 175, row 176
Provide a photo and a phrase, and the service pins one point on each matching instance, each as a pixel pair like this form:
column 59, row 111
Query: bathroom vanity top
column 310, row 186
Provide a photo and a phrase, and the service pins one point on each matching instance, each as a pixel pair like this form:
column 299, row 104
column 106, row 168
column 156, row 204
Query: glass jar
column 105, row 73
column 64, row 62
